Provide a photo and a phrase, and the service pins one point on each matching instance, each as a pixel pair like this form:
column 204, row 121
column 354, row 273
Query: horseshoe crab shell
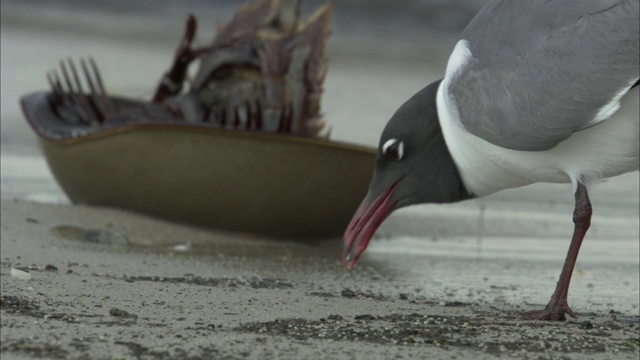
column 251, row 182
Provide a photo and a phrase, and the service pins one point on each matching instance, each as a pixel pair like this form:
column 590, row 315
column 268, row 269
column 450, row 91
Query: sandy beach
column 438, row 282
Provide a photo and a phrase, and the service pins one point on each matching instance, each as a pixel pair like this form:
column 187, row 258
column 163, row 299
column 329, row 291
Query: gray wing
column 541, row 70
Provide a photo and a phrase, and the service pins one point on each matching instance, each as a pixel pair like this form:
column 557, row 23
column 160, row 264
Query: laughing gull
column 531, row 93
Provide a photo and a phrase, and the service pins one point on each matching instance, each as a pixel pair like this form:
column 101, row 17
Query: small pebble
column 20, row 274
column 50, row 267
column 182, row 248
column 348, row 293
column 122, row 314
column 586, row 325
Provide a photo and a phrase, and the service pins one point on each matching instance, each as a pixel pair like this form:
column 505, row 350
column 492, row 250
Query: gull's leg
column 558, row 306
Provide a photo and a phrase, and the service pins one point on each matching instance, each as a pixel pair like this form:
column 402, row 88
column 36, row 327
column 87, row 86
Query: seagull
column 531, row 93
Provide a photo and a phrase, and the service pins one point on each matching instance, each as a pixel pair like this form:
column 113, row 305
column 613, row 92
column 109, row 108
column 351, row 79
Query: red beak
column 364, row 224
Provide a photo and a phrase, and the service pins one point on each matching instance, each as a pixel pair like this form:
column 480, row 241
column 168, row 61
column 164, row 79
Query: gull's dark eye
column 393, row 149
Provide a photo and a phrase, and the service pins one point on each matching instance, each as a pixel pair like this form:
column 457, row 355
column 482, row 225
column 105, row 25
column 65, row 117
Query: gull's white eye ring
column 393, row 149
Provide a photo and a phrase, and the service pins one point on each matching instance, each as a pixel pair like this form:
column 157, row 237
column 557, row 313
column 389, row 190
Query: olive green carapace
column 271, row 185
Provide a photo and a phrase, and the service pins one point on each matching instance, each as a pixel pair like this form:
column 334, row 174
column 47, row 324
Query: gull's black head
column 413, row 166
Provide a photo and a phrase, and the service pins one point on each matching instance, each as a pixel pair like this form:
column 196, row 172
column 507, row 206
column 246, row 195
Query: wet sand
column 111, row 284
column 438, row 282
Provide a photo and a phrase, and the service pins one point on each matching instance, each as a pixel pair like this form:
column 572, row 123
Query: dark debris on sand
column 487, row 334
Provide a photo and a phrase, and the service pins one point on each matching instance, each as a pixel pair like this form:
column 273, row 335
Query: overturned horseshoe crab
column 240, row 147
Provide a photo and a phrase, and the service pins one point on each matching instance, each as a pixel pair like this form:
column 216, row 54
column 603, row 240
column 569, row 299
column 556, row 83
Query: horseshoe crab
column 241, row 147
